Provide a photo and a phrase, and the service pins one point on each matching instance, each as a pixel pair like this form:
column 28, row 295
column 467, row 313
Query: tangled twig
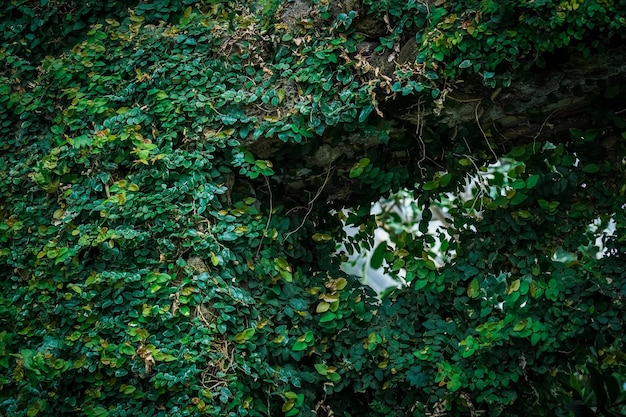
column 483, row 132
column 310, row 205
column 269, row 217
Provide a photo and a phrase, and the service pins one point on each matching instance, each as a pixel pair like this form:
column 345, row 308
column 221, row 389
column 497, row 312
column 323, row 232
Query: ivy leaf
column 430, row 185
column 515, row 285
column 321, row 368
column 473, row 288
column 298, row 346
column 244, row 335
column 334, row 377
column 365, row 112
column 322, row 307
column 591, row 168
column 521, row 325
column 378, row 255
column 327, row 317
column 532, row 181
column 518, row 198
column 416, row 377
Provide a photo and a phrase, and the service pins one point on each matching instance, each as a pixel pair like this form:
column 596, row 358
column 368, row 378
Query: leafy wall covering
column 172, row 175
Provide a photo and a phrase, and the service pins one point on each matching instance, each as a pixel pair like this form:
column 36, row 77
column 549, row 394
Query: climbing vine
column 176, row 178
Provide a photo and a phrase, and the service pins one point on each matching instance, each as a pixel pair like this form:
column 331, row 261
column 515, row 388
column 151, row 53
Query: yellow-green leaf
column 514, row 286
column 473, row 288
column 245, row 335
column 322, row 307
column 521, row 325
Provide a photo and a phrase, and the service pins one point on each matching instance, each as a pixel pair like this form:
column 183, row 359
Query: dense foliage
column 175, row 177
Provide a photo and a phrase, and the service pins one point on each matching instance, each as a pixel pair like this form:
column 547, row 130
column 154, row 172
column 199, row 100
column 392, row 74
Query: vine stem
column 483, row 132
column 310, row 205
column 269, row 217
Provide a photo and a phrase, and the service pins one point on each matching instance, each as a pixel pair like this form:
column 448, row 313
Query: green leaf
column 163, row 357
column 424, row 354
column 521, row 325
column 517, row 152
column 334, row 377
column 321, row 368
column 286, row 275
column 378, row 255
column 454, row 384
column 532, row 181
column 591, row 168
column 290, row 395
column 294, row 411
column 419, row 284
column 535, row 338
column 363, row 162
column 34, row 409
column 287, row 406
column 515, row 285
column 577, row 133
column 430, row 185
column 127, row 349
column 445, row 180
column 327, row 316
column 524, row 287
column 356, row 171
column 473, row 288
column 321, row 237
column 365, row 112
column 322, row 307
column 518, row 198
column 298, row 346
column 518, row 184
column 281, row 263
column 244, row 335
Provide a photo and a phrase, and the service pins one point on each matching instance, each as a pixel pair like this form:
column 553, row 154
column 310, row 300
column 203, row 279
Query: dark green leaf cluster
column 498, row 37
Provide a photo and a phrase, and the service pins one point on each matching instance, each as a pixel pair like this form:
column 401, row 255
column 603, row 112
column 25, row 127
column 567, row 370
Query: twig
column 542, row 126
column 483, row 132
column 419, row 129
column 310, row 205
column 480, row 182
column 269, row 217
column 523, row 364
column 467, row 144
column 493, row 124
column 423, row 158
column 294, row 209
column 467, row 100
